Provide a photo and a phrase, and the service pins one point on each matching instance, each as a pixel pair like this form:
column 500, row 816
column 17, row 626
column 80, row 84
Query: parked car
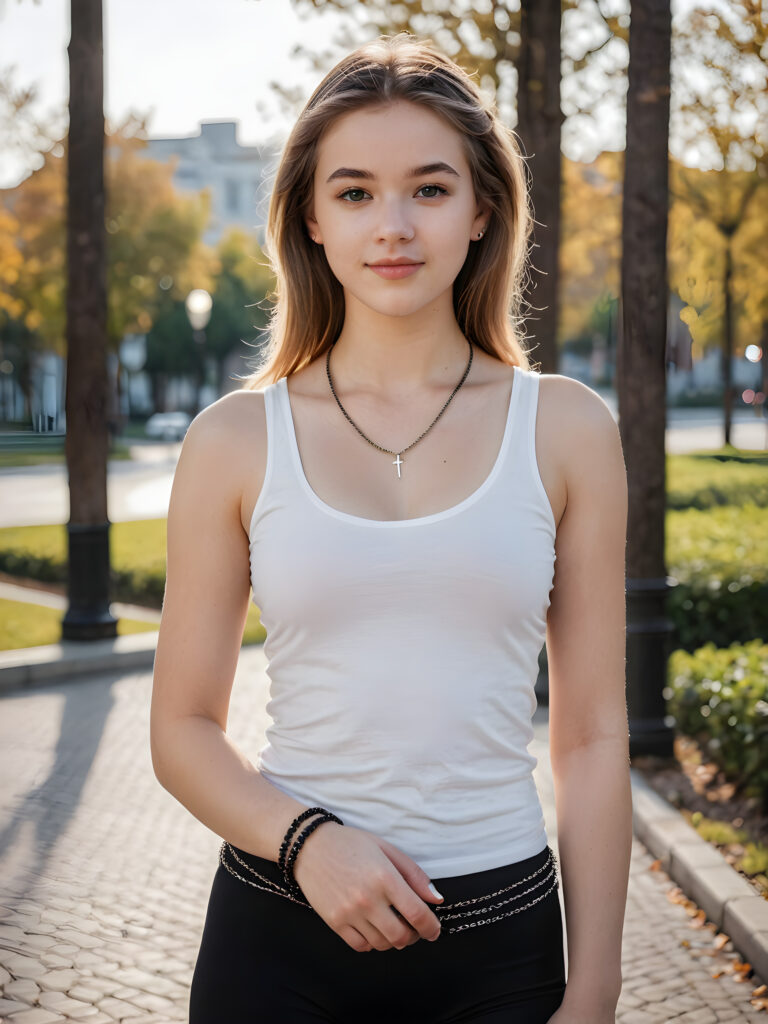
column 167, row 426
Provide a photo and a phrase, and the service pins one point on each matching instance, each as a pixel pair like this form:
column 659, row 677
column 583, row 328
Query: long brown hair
column 308, row 313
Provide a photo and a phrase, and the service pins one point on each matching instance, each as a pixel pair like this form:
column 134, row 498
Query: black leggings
column 265, row 959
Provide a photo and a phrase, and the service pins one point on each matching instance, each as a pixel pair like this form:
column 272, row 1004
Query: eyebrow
column 438, row 167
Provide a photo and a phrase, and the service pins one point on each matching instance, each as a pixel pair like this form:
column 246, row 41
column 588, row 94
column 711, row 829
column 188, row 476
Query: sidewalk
column 105, row 876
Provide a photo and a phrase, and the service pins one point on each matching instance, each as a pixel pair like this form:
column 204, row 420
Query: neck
column 389, row 354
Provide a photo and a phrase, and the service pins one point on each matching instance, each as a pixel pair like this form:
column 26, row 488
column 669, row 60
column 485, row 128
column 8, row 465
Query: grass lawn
column 44, row 455
column 730, row 476
column 23, row 624
column 30, row 625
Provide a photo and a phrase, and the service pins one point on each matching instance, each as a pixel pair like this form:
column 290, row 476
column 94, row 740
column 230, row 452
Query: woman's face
column 392, row 182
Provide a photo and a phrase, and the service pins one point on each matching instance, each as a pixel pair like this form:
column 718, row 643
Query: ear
column 312, row 227
column 480, row 223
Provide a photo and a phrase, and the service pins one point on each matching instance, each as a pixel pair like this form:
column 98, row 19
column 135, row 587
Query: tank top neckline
column 434, row 517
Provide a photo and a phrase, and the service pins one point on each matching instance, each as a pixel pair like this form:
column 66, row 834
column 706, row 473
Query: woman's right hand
column 359, row 884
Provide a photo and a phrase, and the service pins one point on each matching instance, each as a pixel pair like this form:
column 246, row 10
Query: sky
column 180, row 62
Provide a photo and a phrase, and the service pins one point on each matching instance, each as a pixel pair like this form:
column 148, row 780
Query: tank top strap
column 529, row 401
column 285, row 449
column 277, row 472
column 527, row 468
column 271, row 408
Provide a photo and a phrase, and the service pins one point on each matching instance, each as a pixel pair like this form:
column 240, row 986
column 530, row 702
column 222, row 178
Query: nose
column 394, row 224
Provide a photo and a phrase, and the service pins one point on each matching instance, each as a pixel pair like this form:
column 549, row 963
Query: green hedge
column 720, row 697
column 137, row 556
column 719, row 559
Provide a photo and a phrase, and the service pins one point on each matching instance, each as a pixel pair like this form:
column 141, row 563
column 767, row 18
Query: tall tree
column 590, row 246
column 641, row 369
column 722, row 81
column 154, row 241
column 729, row 203
column 539, row 120
column 88, row 616
column 24, row 132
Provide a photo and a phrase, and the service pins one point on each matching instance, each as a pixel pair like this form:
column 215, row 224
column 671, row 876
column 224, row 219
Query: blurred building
column 235, row 175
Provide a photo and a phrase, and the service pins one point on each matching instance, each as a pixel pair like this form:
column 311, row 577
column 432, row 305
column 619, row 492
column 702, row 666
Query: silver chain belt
column 549, row 866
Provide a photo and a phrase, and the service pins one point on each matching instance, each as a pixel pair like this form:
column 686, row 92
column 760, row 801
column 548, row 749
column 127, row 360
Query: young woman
column 395, row 484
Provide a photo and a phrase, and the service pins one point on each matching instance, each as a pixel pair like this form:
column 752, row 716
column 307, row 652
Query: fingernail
column 435, row 893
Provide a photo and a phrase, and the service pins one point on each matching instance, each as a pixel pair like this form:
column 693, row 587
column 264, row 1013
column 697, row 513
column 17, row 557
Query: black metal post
column 88, row 616
column 648, row 636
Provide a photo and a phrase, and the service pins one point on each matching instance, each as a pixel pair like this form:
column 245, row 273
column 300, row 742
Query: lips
column 395, row 269
column 400, row 262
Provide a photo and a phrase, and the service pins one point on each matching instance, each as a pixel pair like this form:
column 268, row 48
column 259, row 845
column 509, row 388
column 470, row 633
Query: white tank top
column 402, row 655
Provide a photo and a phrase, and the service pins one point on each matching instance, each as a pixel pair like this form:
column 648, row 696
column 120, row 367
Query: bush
column 718, row 559
column 720, row 698
column 137, row 554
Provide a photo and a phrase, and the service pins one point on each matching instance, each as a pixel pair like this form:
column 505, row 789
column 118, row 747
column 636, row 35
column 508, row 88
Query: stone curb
column 704, row 875
column 51, row 663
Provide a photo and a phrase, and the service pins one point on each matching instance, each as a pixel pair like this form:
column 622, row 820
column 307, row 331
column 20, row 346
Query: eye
column 350, row 191
column 356, row 195
column 440, row 191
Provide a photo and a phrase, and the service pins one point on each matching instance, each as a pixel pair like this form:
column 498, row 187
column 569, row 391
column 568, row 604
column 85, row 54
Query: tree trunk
column 764, row 366
column 641, row 371
column 88, row 616
column 539, row 121
column 727, row 350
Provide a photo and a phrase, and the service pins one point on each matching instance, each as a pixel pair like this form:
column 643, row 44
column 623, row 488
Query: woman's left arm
column 588, row 725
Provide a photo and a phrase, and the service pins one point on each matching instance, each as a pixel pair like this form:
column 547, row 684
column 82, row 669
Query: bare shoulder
column 576, row 401
column 577, row 440
column 580, row 416
column 228, row 439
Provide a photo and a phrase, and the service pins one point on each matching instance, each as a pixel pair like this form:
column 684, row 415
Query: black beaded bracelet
column 291, row 829
column 290, row 881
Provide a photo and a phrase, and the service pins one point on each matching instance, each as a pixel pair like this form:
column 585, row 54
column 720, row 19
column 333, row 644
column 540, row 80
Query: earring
column 481, row 232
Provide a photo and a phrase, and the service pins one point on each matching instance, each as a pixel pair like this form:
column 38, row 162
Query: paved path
column 105, row 876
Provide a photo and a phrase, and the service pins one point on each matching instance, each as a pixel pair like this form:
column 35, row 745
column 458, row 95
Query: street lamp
column 198, row 305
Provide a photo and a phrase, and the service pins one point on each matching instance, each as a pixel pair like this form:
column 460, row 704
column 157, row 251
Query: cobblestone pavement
column 105, row 876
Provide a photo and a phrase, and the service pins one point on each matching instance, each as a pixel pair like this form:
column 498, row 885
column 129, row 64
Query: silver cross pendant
column 398, row 462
